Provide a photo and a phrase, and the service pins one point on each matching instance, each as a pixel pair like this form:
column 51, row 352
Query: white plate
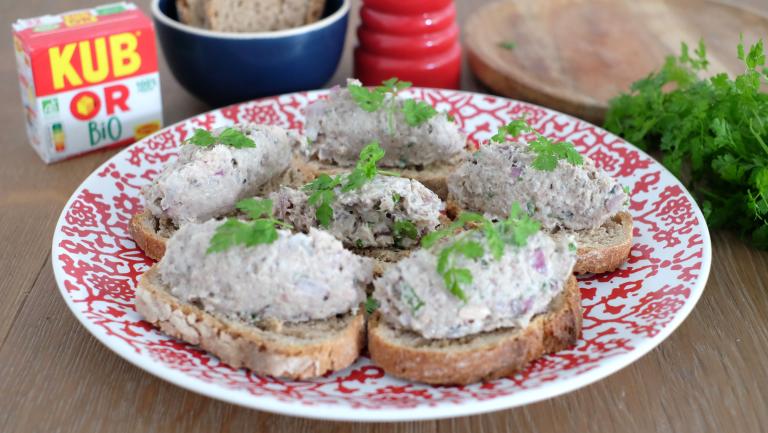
column 626, row 313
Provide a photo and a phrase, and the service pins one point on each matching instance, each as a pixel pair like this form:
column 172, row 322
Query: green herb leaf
column 507, row 45
column 412, row 299
column 260, row 230
column 405, row 229
column 417, row 112
column 322, row 190
column 514, row 230
column 255, row 208
column 712, row 133
column 202, row 138
column 235, row 138
column 369, row 100
column 371, row 305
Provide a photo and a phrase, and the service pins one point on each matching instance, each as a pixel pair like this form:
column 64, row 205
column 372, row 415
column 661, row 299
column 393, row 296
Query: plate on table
column 626, row 313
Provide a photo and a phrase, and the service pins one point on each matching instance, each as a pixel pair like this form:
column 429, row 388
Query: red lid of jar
column 408, row 24
column 407, row 6
column 422, row 45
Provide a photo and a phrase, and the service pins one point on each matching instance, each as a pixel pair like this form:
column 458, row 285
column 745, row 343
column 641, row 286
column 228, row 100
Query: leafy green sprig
column 261, row 229
column 514, row 230
column 405, row 229
column 384, row 96
column 232, row 137
column 712, row 133
column 322, row 190
column 548, row 152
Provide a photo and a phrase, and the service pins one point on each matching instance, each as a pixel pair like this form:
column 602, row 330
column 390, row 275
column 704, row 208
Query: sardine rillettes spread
column 296, row 278
column 569, row 197
column 337, row 129
column 206, row 182
column 366, row 217
column 503, row 293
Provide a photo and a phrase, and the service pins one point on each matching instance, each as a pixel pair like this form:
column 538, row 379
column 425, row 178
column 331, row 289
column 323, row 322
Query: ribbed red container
column 413, row 40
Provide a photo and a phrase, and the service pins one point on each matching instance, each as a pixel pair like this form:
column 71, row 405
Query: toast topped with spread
column 562, row 190
column 420, row 142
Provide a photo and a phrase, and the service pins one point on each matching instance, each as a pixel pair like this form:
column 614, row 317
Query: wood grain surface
column 575, row 55
column 711, row 375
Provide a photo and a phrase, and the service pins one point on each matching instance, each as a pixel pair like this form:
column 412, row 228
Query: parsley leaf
column 417, row 112
column 548, row 151
column 514, row 230
column 260, row 230
column 229, row 136
column 202, row 138
column 405, row 229
column 507, row 45
column 712, row 133
column 235, row 138
column 371, row 305
column 412, row 299
column 385, row 97
column 323, row 189
column 369, row 100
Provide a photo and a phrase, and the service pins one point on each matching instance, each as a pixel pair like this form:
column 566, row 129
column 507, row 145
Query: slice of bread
column 480, row 357
column 291, row 350
column 191, row 12
column 603, row 249
column 432, row 176
column 599, row 250
column 260, row 15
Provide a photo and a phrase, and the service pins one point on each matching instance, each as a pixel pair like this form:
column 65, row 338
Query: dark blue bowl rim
column 337, row 15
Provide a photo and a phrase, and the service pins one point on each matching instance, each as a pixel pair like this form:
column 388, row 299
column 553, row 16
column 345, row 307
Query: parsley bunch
column 514, row 230
column 262, row 229
column 384, row 96
column 229, row 136
column 712, row 133
column 323, row 189
column 548, row 151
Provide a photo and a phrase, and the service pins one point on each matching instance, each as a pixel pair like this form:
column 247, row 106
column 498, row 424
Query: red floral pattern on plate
column 97, row 266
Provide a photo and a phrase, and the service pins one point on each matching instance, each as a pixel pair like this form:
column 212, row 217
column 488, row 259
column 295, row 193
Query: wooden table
column 710, row 375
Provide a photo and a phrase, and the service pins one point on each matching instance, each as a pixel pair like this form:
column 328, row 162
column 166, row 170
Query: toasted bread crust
column 596, row 260
column 142, row 228
column 607, row 258
column 241, row 345
column 483, row 357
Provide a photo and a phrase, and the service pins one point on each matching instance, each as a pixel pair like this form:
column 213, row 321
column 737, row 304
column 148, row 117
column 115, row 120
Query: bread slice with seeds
column 291, row 350
column 484, row 356
column 260, row 15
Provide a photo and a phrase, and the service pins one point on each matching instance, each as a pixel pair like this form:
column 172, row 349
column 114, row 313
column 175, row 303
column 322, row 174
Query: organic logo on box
column 50, row 106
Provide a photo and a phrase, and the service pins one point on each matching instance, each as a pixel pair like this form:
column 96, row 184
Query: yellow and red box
column 88, row 79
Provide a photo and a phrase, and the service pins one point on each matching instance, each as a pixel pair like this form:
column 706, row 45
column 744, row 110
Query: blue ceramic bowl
column 224, row 68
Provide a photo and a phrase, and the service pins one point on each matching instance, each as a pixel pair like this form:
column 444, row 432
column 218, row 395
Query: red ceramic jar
column 414, row 40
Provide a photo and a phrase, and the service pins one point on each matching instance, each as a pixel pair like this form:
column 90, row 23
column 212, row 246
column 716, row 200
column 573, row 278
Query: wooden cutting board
column 575, row 55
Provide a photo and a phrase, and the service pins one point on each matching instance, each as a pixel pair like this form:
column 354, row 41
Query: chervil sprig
column 405, row 229
column 323, row 189
column 548, row 152
column 229, row 136
column 261, row 229
column 712, row 133
column 385, row 97
column 514, row 230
